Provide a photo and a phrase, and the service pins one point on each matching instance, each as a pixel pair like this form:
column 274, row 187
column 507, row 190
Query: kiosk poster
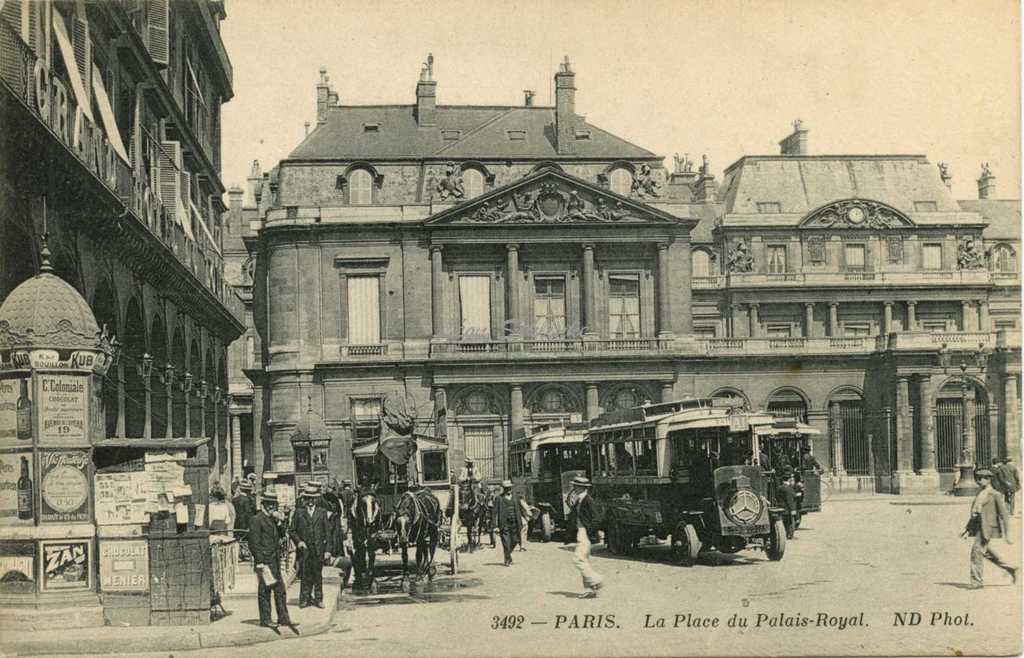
column 17, row 500
column 15, row 413
column 121, row 498
column 17, row 567
column 65, row 485
column 66, row 565
column 63, row 405
column 124, row 566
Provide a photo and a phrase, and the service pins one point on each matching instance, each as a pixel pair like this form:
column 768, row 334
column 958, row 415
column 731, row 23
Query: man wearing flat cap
column 265, row 534
column 310, row 527
column 989, row 520
column 584, row 516
column 506, row 517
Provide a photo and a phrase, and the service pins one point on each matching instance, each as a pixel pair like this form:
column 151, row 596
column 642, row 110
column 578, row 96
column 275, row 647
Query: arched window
column 360, row 188
column 621, row 181
column 472, row 183
column 1003, row 259
column 701, row 263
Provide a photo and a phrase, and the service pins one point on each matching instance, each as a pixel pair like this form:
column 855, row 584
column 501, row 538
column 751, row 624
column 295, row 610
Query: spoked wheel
column 685, row 545
column 777, row 541
column 547, row 526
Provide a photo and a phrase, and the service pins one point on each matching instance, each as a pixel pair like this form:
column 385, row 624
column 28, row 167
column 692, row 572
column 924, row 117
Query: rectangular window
column 706, row 331
column 777, row 258
column 364, row 310
column 549, row 307
column 854, row 257
column 779, row 330
column 475, row 299
column 931, row 256
column 250, row 351
column 516, row 135
column 769, row 207
column 1006, row 325
column 451, row 135
column 856, row 329
column 435, row 466
column 366, row 471
column 925, row 206
column 816, row 249
column 934, row 326
column 624, row 305
column 365, row 419
column 480, row 448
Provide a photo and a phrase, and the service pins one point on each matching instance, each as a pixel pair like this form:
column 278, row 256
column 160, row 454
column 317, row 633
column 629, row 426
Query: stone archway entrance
column 956, row 430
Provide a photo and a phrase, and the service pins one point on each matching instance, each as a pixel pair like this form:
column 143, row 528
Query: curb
column 170, row 640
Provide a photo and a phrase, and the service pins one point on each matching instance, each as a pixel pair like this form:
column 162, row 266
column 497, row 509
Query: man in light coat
column 583, row 517
column 989, row 520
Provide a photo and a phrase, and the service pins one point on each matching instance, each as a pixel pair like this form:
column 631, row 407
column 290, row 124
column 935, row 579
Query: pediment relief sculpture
column 856, row 213
column 550, row 203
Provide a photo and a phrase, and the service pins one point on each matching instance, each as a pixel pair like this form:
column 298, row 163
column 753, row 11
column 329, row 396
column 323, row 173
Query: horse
column 366, row 520
column 418, row 521
column 473, row 512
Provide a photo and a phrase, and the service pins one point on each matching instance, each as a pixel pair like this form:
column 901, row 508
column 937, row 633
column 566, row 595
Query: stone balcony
column 846, row 279
column 787, row 346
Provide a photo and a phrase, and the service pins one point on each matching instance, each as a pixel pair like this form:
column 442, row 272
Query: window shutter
column 10, row 11
column 83, row 49
column 170, row 178
column 157, row 30
column 364, row 310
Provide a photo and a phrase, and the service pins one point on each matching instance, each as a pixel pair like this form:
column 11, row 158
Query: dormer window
column 583, row 134
column 516, row 135
column 769, row 207
column 621, row 181
column 472, row 183
column 451, row 135
column 926, row 206
column 371, row 127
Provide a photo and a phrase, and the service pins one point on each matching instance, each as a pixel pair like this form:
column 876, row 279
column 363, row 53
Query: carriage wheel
column 685, row 545
column 547, row 526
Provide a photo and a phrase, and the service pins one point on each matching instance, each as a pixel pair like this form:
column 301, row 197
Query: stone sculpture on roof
column 970, row 255
column 644, row 183
column 450, row 185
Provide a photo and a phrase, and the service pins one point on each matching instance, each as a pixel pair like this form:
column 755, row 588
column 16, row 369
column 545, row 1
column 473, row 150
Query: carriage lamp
column 186, row 384
column 145, row 367
column 216, row 394
column 204, row 389
column 167, row 376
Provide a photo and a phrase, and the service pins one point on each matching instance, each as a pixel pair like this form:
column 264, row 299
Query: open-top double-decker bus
column 688, row 470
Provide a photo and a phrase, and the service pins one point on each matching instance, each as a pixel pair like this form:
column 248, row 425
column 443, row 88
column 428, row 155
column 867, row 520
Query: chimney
column 706, row 188
column 305, row 126
column 947, row 178
column 528, row 97
column 565, row 109
column 426, row 95
column 323, row 96
column 986, row 183
column 796, row 143
column 235, row 209
column 252, row 185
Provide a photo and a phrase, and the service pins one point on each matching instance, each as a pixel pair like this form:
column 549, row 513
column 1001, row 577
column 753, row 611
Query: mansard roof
column 800, row 184
column 1003, row 217
column 462, row 132
column 550, row 196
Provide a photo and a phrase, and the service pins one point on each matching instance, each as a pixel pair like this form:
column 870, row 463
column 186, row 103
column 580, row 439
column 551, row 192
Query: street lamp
column 966, row 484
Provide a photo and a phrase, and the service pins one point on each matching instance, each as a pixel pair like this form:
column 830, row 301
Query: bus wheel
column 777, row 541
column 613, row 537
column 547, row 526
column 685, row 545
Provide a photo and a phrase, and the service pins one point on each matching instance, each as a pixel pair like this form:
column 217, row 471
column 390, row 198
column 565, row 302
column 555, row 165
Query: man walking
column 584, row 517
column 506, row 517
column 310, row 527
column 989, row 520
column 265, row 535
column 787, row 498
column 1011, row 477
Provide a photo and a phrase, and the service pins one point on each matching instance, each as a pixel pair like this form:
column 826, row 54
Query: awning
column 800, row 428
column 107, row 114
column 699, row 423
column 68, row 54
column 422, row 443
column 561, row 438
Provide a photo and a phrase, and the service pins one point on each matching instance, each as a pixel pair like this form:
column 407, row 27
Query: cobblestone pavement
column 851, row 568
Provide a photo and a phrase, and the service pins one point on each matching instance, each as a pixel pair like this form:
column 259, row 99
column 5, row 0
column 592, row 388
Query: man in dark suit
column 265, row 535
column 310, row 527
column 245, row 508
column 506, row 517
column 786, row 494
column 989, row 520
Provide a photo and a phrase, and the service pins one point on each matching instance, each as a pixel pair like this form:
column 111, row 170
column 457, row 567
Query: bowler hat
column 983, row 473
column 245, row 485
column 580, row 481
column 310, row 490
column 506, row 484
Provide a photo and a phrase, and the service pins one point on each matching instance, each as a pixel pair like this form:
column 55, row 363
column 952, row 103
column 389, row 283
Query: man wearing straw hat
column 310, row 526
column 584, row 517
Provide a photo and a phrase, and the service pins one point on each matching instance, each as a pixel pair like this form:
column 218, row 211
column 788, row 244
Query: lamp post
column 145, row 370
column 186, row 389
column 966, row 484
column 167, row 379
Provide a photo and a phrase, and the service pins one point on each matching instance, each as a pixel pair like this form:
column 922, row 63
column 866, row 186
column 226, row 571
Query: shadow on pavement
column 568, row 595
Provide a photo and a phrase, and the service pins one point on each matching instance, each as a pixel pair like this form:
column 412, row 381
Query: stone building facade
column 110, row 125
column 497, row 269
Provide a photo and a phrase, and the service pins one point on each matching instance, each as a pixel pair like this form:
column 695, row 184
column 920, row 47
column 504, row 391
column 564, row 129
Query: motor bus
column 542, row 465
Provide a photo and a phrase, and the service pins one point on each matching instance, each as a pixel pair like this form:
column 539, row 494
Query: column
column 983, row 320
column 188, row 414
column 1011, row 407
column 968, row 437
column 119, row 431
column 755, row 322
column 202, row 414
column 965, row 316
column 588, row 319
column 904, row 427
column 735, row 321
column 833, row 319
column 512, row 319
column 436, row 295
column 168, row 381
column 911, row 316
column 927, row 425
column 147, row 428
column 236, row 445
column 593, row 409
column 809, row 320
column 887, row 319
column 515, row 401
column 667, row 392
column 664, row 284
column 836, row 429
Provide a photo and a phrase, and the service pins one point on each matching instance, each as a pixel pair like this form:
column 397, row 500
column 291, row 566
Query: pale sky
column 726, row 78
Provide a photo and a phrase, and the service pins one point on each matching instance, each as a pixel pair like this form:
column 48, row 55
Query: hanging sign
column 65, row 485
column 62, row 407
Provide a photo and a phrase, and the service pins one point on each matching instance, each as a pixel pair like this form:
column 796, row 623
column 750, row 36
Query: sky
column 726, row 78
